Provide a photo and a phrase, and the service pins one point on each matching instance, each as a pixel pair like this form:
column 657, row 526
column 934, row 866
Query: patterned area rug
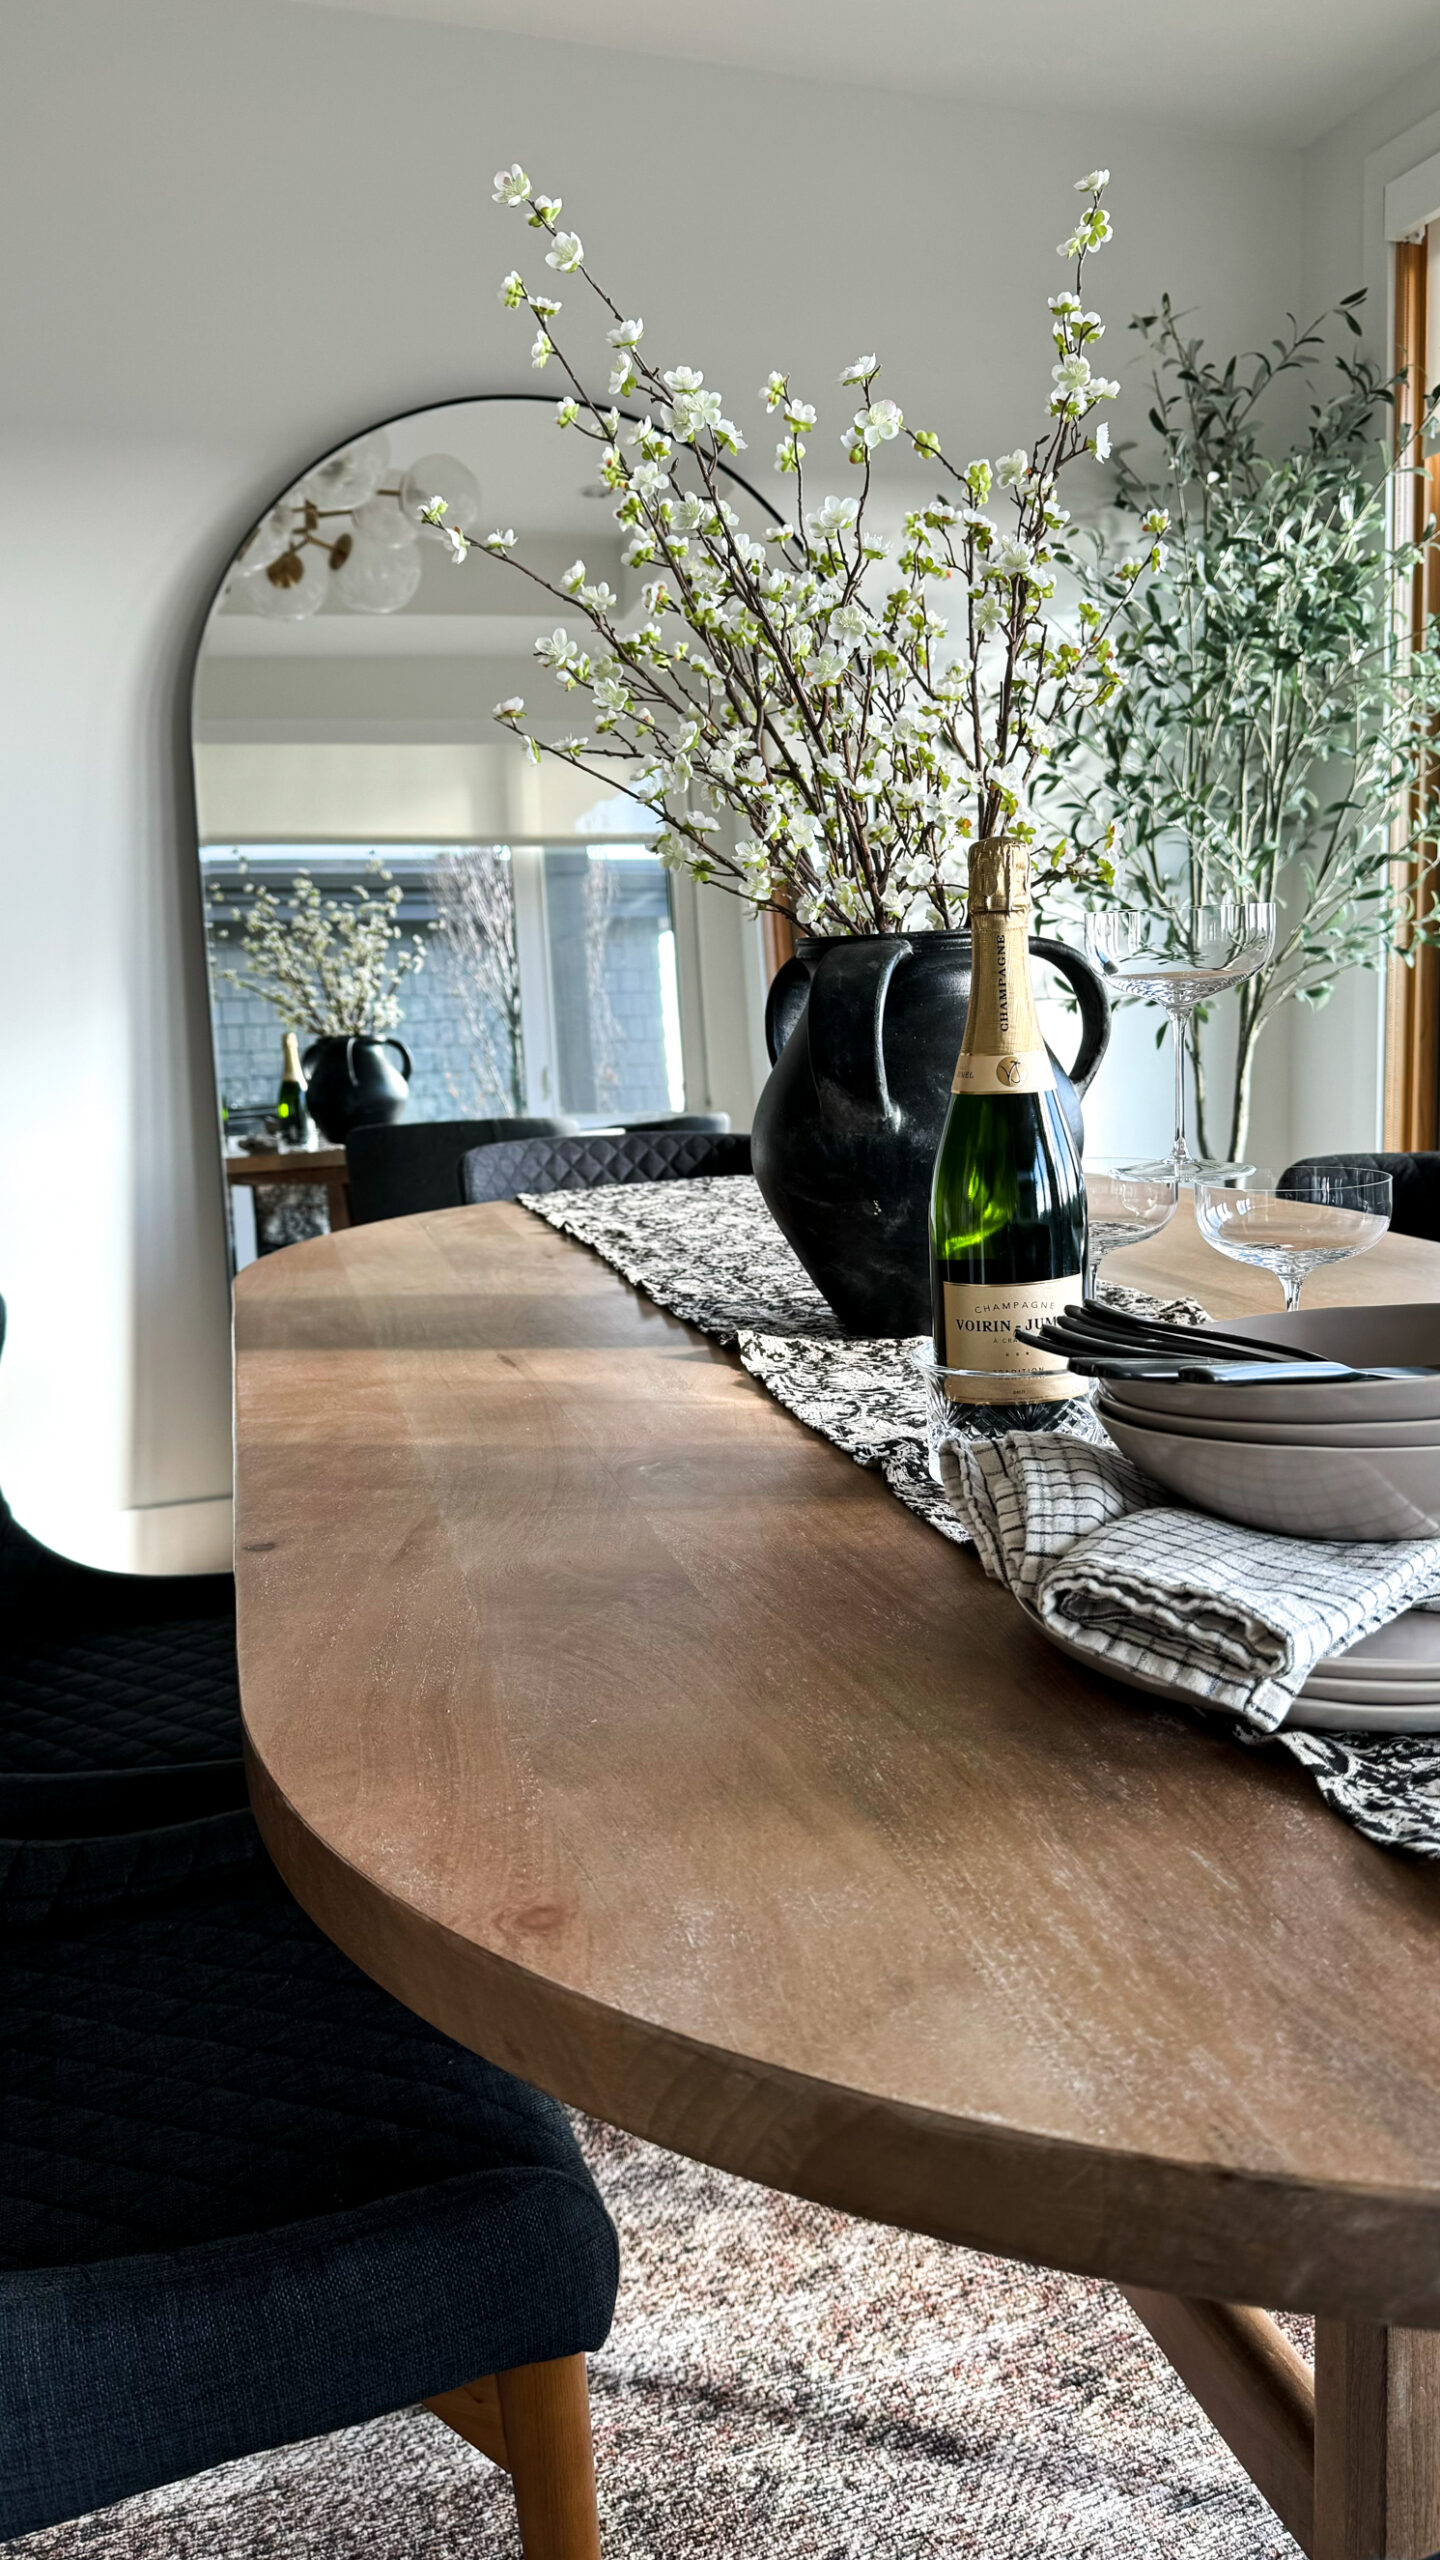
column 781, row 2384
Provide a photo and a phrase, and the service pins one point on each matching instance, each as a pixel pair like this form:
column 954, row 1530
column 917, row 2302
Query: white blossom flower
column 682, row 377
column 1092, row 185
column 502, row 541
column 628, row 334
column 458, row 541
column 512, row 291
column 567, row 252
column 511, row 707
column 1072, row 374
column 566, row 413
column 774, row 388
column 879, row 423
column 693, row 410
column 860, row 370
column 542, row 351
column 1011, row 468
column 511, row 185
column 1100, row 442
column 836, row 515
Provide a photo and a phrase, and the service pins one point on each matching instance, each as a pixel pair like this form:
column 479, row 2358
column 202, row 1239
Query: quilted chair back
column 580, row 1164
column 399, row 1168
column 1415, row 1179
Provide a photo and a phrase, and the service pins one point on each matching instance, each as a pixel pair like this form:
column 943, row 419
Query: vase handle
column 847, row 1032
column 392, row 1043
column 785, row 1003
column 1093, row 1000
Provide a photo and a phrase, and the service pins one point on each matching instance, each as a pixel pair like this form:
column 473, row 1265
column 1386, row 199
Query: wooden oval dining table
column 637, row 1738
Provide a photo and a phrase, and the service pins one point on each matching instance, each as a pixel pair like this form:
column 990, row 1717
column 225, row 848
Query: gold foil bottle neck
column 999, row 878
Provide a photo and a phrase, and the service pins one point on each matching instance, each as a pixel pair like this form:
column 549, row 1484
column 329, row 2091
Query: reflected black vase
column 864, row 1034
column 352, row 1081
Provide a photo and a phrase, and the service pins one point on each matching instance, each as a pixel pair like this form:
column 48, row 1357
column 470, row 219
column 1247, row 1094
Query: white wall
column 235, row 234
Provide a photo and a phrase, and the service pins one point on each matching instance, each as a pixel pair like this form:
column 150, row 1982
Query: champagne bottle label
column 1002, row 1050
column 980, row 1322
column 1012, row 1072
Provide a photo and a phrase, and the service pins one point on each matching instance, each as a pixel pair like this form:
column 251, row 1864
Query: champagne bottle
column 1007, row 1208
column 292, row 1110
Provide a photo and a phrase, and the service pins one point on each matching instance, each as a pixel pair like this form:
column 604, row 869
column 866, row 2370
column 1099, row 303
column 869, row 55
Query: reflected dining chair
column 251, row 2199
column 581, row 1163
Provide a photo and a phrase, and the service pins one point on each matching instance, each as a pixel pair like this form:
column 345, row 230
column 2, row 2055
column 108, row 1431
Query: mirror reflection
column 407, row 920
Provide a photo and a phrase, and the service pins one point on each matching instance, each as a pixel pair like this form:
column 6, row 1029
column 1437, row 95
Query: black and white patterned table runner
column 709, row 1252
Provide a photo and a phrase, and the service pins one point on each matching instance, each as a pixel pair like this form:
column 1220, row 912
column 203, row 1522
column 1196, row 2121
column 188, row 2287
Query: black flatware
column 1093, row 1312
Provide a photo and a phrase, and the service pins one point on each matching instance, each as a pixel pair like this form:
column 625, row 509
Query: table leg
column 338, row 1190
column 1377, row 2442
column 1351, row 2461
column 1252, row 2386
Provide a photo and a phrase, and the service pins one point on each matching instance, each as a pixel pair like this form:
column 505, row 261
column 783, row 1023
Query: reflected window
column 549, row 984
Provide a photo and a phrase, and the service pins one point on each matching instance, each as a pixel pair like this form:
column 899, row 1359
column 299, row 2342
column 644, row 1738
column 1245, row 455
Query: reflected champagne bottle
column 292, row 1109
column 1007, row 1207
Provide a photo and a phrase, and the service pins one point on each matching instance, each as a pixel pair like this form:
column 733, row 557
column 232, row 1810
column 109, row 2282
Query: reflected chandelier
column 288, row 566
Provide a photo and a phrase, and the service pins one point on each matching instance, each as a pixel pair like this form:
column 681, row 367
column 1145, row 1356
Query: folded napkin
column 1233, row 1618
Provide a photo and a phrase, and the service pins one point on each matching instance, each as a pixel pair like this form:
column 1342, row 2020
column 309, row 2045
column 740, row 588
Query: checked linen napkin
column 1231, row 1618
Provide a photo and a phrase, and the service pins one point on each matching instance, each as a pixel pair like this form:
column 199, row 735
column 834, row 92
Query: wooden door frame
column 1412, row 993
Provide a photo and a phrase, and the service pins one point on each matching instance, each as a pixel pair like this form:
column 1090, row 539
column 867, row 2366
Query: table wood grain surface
column 639, row 1739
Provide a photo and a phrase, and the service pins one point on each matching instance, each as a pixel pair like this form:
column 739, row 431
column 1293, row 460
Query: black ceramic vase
column 864, row 1035
column 351, row 1081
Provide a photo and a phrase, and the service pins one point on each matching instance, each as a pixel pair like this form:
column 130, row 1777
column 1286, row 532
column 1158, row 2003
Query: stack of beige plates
column 1332, row 1458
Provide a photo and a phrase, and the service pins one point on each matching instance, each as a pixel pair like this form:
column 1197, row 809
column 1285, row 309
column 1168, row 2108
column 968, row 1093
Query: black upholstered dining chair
column 400, row 1168
column 580, row 1163
column 249, row 2198
column 1415, row 1180
column 119, row 1698
column 717, row 1122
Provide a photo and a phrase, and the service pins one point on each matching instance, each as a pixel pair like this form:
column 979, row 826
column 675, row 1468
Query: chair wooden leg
column 474, row 2413
column 546, row 2410
column 535, row 2422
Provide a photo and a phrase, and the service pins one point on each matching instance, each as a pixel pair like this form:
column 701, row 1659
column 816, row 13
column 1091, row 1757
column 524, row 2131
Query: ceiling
column 1286, row 68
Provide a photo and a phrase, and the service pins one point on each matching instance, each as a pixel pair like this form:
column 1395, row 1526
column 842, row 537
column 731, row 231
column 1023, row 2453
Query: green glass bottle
column 292, row 1110
column 1007, row 1207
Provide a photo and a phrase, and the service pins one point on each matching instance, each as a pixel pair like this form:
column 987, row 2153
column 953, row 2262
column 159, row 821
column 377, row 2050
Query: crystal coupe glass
column 1180, row 966
column 1291, row 1223
column 1124, row 1203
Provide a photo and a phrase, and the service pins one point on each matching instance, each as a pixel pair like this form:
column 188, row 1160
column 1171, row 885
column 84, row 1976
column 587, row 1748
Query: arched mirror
column 351, row 780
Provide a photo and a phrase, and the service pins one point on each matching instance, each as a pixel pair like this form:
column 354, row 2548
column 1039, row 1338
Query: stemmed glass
column 1124, row 1203
column 1291, row 1223
column 1179, row 966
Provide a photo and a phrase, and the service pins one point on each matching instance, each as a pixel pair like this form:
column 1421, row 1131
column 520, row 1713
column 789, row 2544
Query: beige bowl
column 1384, row 1494
column 1395, row 1336
column 1287, row 1435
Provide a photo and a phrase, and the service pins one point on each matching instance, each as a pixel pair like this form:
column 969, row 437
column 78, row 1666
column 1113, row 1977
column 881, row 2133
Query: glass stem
column 1292, row 1282
column 1181, row 1023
